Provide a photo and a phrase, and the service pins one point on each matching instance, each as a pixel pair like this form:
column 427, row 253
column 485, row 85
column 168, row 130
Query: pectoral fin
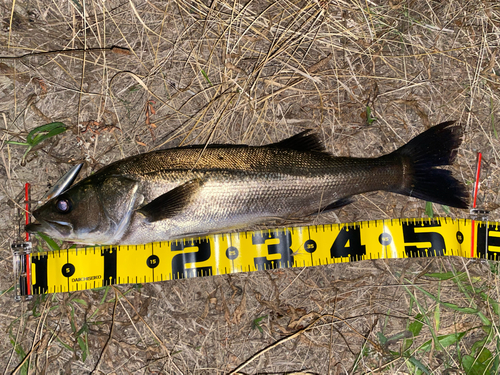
column 172, row 202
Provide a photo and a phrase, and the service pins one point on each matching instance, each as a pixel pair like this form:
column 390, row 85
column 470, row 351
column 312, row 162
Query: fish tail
column 433, row 148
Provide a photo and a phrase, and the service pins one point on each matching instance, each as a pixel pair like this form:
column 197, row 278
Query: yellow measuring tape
column 92, row 267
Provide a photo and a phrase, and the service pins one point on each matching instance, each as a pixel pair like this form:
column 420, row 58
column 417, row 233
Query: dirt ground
column 127, row 77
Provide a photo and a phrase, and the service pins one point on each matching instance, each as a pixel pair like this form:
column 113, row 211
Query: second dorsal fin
column 304, row 141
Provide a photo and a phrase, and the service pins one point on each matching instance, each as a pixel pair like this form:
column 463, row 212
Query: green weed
column 18, row 349
column 369, row 118
column 256, row 323
column 449, row 347
column 428, row 209
column 38, row 135
column 206, row 77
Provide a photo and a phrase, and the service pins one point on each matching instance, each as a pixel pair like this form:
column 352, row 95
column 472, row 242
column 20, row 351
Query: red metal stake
column 27, row 211
column 27, row 215
column 476, row 189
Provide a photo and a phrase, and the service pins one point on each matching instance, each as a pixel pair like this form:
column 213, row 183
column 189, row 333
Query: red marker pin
column 27, row 256
column 476, row 189
column 27, row 207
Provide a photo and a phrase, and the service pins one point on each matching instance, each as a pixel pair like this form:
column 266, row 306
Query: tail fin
column 435, row 147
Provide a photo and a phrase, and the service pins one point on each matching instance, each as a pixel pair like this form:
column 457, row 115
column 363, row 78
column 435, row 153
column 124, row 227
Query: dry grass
column 250, row 72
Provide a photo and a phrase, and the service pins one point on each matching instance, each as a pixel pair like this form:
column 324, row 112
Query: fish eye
column 63, row 206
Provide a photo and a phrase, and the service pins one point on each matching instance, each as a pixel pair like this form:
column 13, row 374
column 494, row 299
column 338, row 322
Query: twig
column 114, row 49
column 98, row 364
column 298, row 333
column 149, row 328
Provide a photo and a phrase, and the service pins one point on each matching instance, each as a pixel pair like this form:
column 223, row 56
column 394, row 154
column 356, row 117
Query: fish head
column 91, row 212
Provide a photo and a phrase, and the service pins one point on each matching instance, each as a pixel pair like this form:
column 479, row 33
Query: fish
column 197, row 190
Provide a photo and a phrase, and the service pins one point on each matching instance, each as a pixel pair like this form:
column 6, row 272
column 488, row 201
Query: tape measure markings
column 92, row 267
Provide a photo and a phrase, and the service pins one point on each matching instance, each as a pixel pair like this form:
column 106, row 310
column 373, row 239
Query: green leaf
column 444, row 341
column 494, row 304
column 39, row 138
column 428, row 209
column 437, row 311
column 50, row 242
column 446, row 209
column 484, row 356
column 256, row 323
column 77, row 3
column 80, row 301
column 458, row 278
column 99, row 288
column 465, row 310
column 381, row 338
column 84, row 347
column 72, row 320
column 486, row 322
column 479, row 345
column 472, row 366
column 84, row 329
column 206, row 77
column 6, row 290
column 17, row 143
column 496, row 362
column 64, row 344
column 443, row 275
column 415, row 362
column 57, row 127
column 437, row 316
column 105, row 294
column 416, row 325
column 39, row 134
column 369, row 118
column 28, row 149
column 494, row 268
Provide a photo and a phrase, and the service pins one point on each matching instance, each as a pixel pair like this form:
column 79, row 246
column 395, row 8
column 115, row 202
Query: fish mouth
column 49, row 227
column 33, row 228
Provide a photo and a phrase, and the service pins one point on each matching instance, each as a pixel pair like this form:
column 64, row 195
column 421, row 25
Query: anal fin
column 337, row 204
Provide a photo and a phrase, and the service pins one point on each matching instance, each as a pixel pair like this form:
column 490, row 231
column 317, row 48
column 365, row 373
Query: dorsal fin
column 304, row 141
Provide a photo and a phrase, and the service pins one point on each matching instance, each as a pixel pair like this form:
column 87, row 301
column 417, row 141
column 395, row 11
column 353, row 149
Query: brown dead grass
column 270, row 69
